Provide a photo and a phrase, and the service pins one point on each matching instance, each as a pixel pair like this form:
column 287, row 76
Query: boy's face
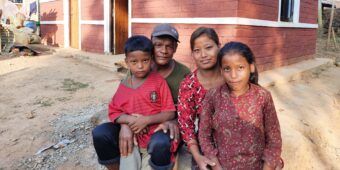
column 164, row 49
column 139, row 63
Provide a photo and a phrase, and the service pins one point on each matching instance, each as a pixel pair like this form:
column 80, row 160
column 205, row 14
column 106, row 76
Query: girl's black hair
column 210, row 32
column 242, row 49
column 138, row 43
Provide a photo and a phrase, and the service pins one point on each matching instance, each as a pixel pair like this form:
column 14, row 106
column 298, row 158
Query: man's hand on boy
column 138, row 124
column 172, row 127
column 125, row 140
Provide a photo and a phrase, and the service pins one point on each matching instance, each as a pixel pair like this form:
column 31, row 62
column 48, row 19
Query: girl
column 238, row 126
column 204, row 44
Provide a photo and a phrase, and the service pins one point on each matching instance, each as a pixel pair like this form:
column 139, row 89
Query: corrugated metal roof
column 329, row 2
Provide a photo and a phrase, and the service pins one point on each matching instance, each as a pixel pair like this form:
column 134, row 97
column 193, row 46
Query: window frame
column 15, row 1
column 295, row 9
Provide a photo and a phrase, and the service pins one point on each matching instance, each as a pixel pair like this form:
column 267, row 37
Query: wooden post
column 330, row 25
column 0, row 30
column 320, row 16
column 334, row 39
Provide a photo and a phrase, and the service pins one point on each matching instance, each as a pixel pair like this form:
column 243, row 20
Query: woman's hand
column 203, row 162
column 217, row 166
column 125, row 140
column 172, row 127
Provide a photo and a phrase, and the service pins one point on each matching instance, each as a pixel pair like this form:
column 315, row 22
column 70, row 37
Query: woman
column 204, row 45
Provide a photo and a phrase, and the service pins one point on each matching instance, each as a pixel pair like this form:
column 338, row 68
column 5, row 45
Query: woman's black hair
column 242, row 49
column 138, row 43
column 210, row 32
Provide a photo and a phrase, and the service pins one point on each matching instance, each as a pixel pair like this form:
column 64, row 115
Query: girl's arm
column 272, row 151
column 205, row 134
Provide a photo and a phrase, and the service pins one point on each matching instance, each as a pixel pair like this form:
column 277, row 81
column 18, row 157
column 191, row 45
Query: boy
column 141, row 102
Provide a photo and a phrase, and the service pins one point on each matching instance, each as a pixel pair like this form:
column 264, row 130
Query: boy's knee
column 104, row 131
column 159, row 150
column 160, row 142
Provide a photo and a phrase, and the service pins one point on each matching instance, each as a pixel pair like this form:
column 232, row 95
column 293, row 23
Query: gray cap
column 165, row 29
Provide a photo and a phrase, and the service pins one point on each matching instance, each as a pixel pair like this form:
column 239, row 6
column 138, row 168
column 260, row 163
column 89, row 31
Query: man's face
column 164, row 49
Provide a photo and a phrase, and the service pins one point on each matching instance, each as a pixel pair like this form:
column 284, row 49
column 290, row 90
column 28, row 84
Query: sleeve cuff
column 113, row 117
column 271, row 162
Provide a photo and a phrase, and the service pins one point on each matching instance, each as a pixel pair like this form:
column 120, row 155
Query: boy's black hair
column 210, row 32
column 242, row 49
column 138, row 43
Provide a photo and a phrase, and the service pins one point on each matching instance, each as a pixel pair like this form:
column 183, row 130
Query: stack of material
column 336, row 21
column 7, row 39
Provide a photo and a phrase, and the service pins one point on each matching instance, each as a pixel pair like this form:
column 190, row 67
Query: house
column 90, row 25
column 280, row 32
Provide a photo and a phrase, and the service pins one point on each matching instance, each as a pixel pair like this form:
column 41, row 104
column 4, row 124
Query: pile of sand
column 309, row 114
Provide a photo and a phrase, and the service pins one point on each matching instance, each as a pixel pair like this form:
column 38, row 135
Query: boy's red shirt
column 152, row 97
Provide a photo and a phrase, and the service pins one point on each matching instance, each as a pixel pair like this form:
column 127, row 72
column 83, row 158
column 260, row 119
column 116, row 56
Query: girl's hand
column 280, row 165
column 267, row 167
column 203, row 162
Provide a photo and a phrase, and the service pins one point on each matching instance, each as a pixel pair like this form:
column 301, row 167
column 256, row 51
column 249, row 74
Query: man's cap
column 165, row 29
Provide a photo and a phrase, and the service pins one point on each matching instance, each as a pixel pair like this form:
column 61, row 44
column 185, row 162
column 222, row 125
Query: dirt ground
column 46, row 99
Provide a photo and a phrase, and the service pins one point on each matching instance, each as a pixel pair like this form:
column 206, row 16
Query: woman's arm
column 185, row 111
column 186, row 119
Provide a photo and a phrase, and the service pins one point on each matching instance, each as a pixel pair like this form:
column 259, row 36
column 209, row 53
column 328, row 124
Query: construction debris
column 16, row 30
column 59, row 145
column 121, row 66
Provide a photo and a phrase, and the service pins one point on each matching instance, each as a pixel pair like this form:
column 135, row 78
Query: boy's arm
column 125, row 119
column 167, row 110
column 161, row 117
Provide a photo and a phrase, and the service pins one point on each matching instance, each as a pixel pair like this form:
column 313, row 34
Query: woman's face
column 205, row 52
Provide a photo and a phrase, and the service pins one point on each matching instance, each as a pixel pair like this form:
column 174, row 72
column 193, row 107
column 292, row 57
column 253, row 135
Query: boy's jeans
column 156, row 156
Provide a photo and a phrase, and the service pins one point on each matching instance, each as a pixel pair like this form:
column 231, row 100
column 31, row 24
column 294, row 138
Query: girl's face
column 236, row 72
column 205, row 52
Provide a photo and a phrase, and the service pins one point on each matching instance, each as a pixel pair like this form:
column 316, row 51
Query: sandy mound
column 309, row 113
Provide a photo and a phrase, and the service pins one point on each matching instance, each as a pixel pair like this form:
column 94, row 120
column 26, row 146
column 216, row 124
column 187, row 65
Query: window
column 16, row 1
column 287, row 10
